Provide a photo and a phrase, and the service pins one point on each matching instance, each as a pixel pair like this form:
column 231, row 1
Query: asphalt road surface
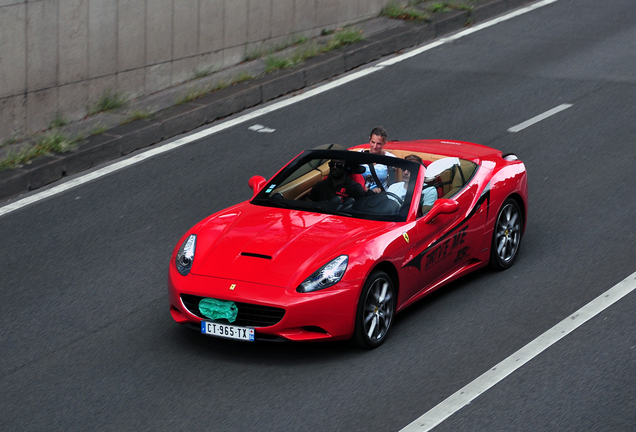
column 87, row 341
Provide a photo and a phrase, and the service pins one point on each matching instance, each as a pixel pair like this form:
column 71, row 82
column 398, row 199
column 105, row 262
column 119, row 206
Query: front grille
column 249, row 315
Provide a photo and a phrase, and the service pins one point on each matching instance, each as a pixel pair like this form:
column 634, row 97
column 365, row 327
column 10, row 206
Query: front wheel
column 506, row 237
column 376, row 308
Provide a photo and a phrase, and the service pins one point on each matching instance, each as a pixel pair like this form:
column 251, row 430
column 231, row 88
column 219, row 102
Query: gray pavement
column 382, row 37
column 89, row 344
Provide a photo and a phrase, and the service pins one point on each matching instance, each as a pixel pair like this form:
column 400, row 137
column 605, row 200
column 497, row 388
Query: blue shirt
column 429, row 195
column 382, row 172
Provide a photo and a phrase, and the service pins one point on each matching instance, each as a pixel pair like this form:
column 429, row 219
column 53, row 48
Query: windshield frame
column 263, row 197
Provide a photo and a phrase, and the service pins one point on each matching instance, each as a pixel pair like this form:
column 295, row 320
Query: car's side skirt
column 468, row 267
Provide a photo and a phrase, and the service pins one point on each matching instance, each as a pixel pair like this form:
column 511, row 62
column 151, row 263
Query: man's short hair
column 379, row 132
column 413, row 158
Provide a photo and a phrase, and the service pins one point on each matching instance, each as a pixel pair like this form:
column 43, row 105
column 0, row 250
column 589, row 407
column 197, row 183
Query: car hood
column 275, row 246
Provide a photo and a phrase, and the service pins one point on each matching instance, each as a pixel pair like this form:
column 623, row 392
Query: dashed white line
column 537, row 119
column 259, row 112
column 261, row 128
column 497, row 373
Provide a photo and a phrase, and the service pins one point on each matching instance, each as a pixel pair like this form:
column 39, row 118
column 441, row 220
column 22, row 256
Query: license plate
column 227, row 331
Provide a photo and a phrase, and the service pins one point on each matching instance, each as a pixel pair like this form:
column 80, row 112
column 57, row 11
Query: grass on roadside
column 58, row 122
column 265, row 50
column 420, row 10
column 308, row 50
column 9, row 141
column 137, row 115
column 54, row 142
column 397, row 11
column 197, row 92
column 201, row 73
column 449, row 6
column 305, row 48
column 107, row 102
column 342, row 38
column 97, row 130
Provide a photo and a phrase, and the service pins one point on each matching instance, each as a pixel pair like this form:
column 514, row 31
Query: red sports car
column 317, row 254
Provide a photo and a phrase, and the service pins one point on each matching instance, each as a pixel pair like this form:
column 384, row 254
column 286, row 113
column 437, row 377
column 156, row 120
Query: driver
column 337, row 183
column 399, row 188
column 429, row 194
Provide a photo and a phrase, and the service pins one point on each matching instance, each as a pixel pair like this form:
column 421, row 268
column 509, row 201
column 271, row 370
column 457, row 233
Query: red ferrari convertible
column 318, row 254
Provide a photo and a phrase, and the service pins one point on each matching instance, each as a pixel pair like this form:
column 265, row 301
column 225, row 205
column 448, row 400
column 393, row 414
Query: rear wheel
column 376, row 308
column 506, row 237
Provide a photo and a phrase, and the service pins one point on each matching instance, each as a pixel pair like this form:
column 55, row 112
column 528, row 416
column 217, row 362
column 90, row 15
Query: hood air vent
column 255, row 255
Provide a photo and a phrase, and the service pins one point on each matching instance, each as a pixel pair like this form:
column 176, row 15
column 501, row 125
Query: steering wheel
column 397, row 198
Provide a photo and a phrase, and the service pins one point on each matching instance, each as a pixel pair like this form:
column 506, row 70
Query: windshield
column 349, row 183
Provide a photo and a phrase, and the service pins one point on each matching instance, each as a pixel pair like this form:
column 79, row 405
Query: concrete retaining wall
column 57, row 57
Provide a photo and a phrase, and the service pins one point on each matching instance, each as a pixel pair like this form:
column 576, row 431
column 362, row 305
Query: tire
column 376, row 309
column 506, row 236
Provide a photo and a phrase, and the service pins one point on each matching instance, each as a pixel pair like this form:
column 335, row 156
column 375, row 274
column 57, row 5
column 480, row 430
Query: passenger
column 337, row 183
column 377, row 172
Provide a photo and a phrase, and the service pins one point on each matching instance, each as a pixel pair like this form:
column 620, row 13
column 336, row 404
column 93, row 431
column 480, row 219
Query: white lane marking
column 471, row 391
column 261, row 128
column 466, row 32
column 537, row 119
column 11, row 207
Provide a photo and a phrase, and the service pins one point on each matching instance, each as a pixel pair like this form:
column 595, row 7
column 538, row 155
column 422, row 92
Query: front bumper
column 271, row 310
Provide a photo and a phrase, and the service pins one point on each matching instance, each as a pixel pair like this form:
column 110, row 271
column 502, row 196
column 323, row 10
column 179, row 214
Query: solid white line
column 257, row 113
column 468, row 393
column 537, row 119
column 466, row 32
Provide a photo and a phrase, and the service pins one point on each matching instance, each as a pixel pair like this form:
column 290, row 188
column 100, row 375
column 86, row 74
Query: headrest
column 439, row 166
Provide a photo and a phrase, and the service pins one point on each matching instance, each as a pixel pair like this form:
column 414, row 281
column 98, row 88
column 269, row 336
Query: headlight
column 185, row 256
column 328, row 275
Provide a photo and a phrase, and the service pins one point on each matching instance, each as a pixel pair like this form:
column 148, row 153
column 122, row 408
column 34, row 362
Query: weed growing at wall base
column 58, row 122
column 54, row 142
column 107, row 102
column 396, row 11
column 137, row 115
column 421, row 10
column 339, row 39
column 196, row 92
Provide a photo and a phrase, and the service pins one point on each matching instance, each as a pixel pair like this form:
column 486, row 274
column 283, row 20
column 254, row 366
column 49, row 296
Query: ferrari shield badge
column 406, row 236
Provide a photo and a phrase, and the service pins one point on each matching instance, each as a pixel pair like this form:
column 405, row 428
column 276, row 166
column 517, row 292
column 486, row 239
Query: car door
column 446, row 238
column 456, row 238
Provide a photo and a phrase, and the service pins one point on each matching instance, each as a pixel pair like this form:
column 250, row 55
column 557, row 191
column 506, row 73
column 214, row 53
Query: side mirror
column 441, row 206
column 256, row 183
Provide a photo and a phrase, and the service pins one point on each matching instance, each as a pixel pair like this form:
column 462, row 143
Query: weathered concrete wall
column 57, row 57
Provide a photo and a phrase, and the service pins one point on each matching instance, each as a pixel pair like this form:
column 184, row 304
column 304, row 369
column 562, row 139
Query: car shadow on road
column 407, row 327
column 260, row 351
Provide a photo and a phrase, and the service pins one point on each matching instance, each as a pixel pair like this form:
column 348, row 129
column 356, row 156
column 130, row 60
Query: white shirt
column 429, row 194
